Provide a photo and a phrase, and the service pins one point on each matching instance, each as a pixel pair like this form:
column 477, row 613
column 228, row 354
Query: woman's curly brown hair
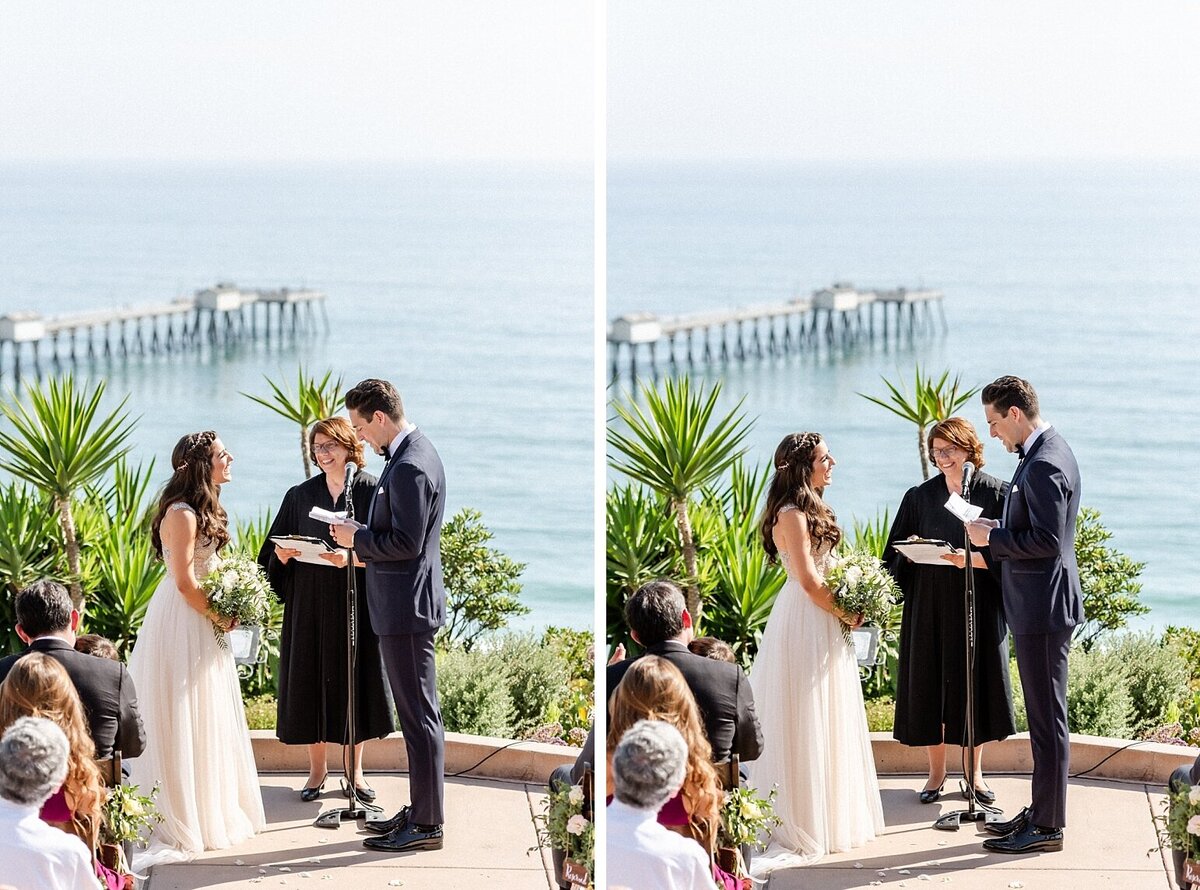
column 792, row 484
column 192, row 483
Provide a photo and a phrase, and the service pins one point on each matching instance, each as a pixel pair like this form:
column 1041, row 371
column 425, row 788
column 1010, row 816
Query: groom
column 401, row 546
column 1034, row 546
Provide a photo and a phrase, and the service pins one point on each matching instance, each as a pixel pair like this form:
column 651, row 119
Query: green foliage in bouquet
column 861, row 584
column 128, row 814
column 238, row 588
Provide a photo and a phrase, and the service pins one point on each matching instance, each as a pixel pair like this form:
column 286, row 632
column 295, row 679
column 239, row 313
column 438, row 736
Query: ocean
column 1083, row 278
column 468, row 286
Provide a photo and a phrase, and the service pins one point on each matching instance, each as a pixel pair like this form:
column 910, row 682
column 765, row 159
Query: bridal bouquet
column 860, row 583
column 239, row 589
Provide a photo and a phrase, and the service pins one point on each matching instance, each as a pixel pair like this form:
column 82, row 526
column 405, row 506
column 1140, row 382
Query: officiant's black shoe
column 387, row 826
column 1016, row 823
column 931, row 795
column 408, row 838
column 365, row 792
column 1030, row 839
column 983, row 795
column 308, row 795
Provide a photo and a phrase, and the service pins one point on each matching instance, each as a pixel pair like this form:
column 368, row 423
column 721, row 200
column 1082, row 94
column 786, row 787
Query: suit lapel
column 1019, row 472
column 387, row 468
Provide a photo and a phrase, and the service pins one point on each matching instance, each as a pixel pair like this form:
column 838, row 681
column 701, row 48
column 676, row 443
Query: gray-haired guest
column 648, row 767
column 33, row 764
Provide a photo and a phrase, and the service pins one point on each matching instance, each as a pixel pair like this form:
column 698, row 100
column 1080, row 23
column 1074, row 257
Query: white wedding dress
column 197, row 743
column 817, row 749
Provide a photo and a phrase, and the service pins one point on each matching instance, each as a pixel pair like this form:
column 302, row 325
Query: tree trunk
column 304, row 451
column 694, row 604
column 67, row 522
column 922, row 450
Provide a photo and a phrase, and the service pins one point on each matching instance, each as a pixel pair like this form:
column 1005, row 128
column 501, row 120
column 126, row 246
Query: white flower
column 1194, row 795
column 1193, row 825
column 853, row 576
column 575, row 795
column 576, row 824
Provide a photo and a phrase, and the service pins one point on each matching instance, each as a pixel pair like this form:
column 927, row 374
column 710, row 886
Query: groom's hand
column 980, row 529
column 343, row 532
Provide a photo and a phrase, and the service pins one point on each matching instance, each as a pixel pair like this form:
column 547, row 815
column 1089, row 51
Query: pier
column 835, row 317
column 223, row 314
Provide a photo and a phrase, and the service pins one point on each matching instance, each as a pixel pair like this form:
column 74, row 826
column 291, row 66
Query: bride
column 197, row 744
column 805, row 677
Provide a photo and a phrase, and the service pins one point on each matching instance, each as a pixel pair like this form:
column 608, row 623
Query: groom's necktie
column 1020, row 452
column 387, row 453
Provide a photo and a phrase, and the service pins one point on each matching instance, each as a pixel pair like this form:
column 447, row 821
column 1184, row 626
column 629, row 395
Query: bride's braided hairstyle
column 792, row 484
column 192, row 483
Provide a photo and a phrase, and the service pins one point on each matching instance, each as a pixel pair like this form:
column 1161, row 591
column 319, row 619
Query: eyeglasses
column 326, row 448
column 945, row 452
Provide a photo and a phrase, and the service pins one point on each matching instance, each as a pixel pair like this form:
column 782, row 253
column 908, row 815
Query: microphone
column 350, row 468
column 968, row 472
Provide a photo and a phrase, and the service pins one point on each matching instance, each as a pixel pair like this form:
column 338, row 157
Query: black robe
column 931, row 685
column 312, row 652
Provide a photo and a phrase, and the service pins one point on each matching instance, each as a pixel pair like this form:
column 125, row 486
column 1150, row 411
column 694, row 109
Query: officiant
column 312, row 653
column 931, row 693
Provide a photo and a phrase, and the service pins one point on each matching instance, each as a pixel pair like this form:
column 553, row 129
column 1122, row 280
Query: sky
column 297, row 80
column 879, row 80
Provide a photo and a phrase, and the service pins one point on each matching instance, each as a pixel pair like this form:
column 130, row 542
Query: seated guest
column 711, row 647
column 38, row 686
column 654, row 689
column 648, row 767
column 659, row 622
column 47, row 622
column 94, row 644
column 33, row 763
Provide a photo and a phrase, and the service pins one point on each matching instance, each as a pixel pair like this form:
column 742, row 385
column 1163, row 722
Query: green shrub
column 473, row 689
column 260, row 712
column 1098, row 699
column 1156, row 675
column 881, row 714
column 537, row 680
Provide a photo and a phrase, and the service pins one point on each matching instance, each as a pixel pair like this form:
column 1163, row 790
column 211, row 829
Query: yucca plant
column 871, row 535
column 675, row 447
column 742, row 592
column 931, row 401
column 60, row 444
column 124, row 572
column 639, row 547
column 30, row 548
column 313, row 400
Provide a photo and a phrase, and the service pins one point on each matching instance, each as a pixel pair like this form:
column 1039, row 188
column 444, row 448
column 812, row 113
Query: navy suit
column 1034, row 549
column 401, row 547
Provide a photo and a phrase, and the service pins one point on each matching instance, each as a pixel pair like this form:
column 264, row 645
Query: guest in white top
column 648, row 768
column 33, row 764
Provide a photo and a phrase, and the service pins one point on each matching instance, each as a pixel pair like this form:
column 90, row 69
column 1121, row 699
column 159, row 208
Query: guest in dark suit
column 658, row 620
column 931, row 690
column 1033, row 544
column 47, row 622
column 400, row 543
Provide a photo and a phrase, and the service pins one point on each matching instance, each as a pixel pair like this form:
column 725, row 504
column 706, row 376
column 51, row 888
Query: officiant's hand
column 339, row 558
column 958, row 559
column 283, row 554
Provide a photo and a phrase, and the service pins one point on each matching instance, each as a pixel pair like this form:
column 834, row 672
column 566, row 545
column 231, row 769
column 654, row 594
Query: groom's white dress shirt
column 643, row 855
column 35, row 855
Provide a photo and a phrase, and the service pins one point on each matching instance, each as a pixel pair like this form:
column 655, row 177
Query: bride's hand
column 226, row 624
column 852, row 620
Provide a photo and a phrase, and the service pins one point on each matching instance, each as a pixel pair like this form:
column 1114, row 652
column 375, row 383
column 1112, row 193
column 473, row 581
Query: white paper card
column 330, row 516
column 960, row 508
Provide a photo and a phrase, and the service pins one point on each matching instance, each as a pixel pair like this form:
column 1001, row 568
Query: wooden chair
column 110, row 769
column 729, row 772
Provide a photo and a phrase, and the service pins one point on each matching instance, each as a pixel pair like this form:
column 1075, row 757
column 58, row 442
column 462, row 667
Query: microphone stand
column 355, row 809
column 982, row 813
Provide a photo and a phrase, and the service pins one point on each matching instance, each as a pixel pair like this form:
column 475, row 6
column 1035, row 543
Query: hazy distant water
column 470, row 288
column 1084, row 279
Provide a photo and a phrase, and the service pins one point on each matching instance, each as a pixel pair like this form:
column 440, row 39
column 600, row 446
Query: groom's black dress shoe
column 387, row 826
column 408, row 837
column 1030, row 839
column 1016, row 823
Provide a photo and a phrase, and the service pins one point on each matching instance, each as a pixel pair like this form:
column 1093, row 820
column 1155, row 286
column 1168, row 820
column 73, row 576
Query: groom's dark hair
column 1006, row 392
column 373, row 395
column 655, row 612
column 43, row 607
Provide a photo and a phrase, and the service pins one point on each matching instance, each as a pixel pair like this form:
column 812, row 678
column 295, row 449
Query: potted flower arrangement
column 1179, row 830
column 746, row 820
column 125, row 817
column 567, row 825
